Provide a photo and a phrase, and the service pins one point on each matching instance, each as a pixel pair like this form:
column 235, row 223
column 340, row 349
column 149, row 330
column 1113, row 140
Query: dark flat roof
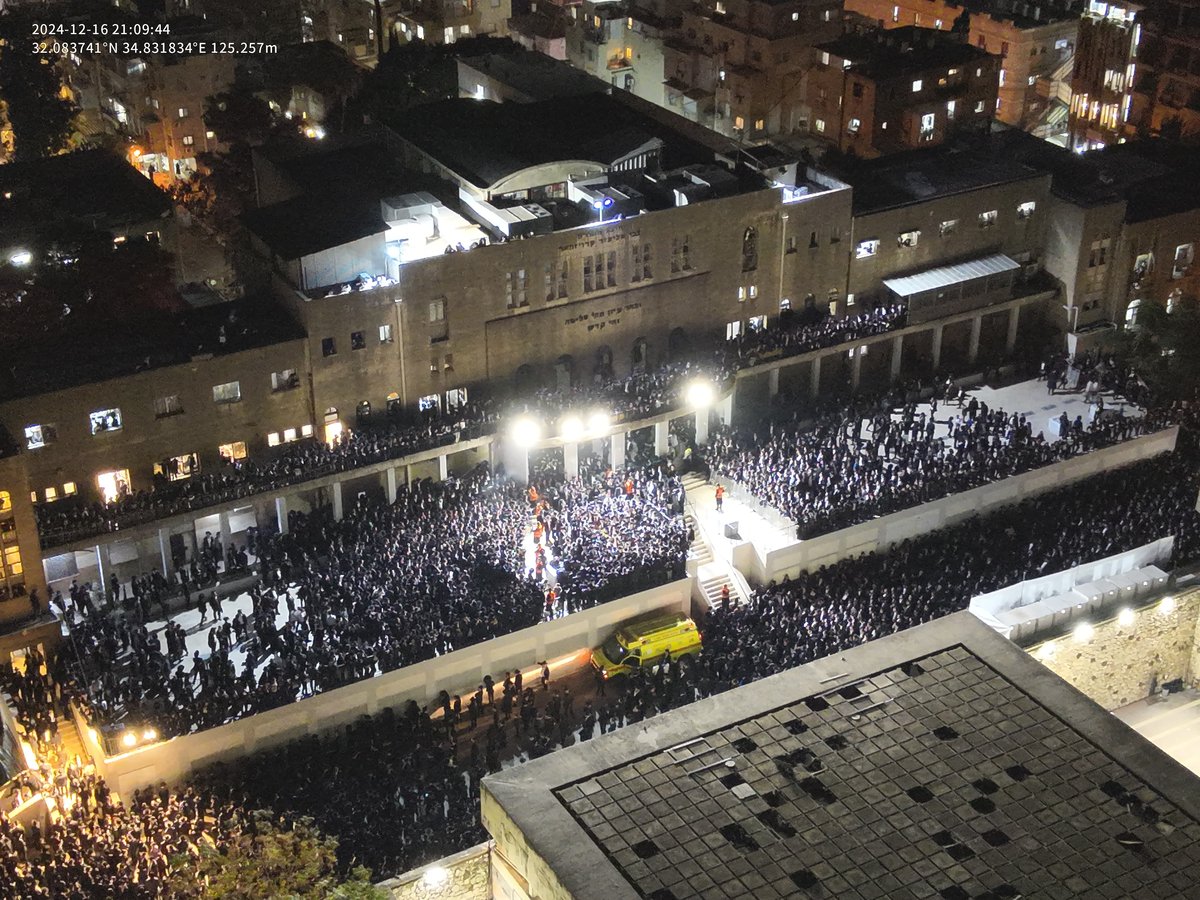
column 885, row 53
column 941, row 762
column 140, row 344
column 920, row 175
column 484, row 142
column 314, row 222
column 1155, row 178
column 94, row 187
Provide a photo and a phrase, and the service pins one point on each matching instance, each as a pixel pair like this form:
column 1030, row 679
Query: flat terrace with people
column 941, row 762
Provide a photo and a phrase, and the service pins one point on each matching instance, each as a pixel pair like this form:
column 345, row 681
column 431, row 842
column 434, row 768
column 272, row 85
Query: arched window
column 638, row 356
column 750, row 250
column 1131, row 314
column 363, row 412
column 331, row 414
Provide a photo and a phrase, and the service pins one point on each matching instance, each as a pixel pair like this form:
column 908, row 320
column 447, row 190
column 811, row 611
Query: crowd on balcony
column 857, row 463
column 640, row 394
column 448, row 565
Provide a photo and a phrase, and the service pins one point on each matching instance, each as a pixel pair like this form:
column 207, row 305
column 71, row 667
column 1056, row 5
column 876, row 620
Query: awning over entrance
column 946, row 276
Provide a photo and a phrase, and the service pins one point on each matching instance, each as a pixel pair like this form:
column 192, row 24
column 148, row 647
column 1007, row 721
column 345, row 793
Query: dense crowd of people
column 447, row 565
column 644, row 392
column 859, row 463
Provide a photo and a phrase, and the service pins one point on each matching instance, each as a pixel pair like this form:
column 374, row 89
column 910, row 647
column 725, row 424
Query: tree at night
column 31, row 93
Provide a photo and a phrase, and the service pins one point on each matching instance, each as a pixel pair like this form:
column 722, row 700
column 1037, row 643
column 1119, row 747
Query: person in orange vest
column 725, row 596
column 628, row 488
column 720, row 497
column 538, row 531
column 533, row 495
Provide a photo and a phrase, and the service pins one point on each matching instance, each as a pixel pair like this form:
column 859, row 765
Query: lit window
column 420, row 32
column 895, row 14
column 1184, row 256
column 795, row 17
column 306, row 431
column 69, row 489
column 437, row 310
column 229, row 392
column 732, row 330
column 385, row 334
column 741, row 294
column 917, row 85
column 1002, row 77
column 289, row 435
column 1025, row 210
column 183, row 112
column 51, row 494
column 928, row 123
column 824, row 58
column 854, row 125
column 105, row 420
column 987, row 219
column 908, row 238
column 760, row 124
column 820, row 123
column 866, row 248
column 979, row 106
column 169, row 405
column 39, row 436
column 739, row 123
column 177, row 468
column 284, row 380
column 273, row 439
column 753, row 291
column 951, row 106
column 949, row 226
column 188, row 140
column 210, row 134
column 232, row 451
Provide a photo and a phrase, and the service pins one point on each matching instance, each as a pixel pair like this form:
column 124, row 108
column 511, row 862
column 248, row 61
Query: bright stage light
column 129, row 739
column 149, row 735
column 1084, row 632
column 571, row 428
column 21, row 258
column 1167, row 606
column 526, row 432
column 700, row 394
column 1126, row 617
column 598, row 422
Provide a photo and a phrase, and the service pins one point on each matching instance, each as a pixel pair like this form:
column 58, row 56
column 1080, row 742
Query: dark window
column 357, row 340
column 328, row 347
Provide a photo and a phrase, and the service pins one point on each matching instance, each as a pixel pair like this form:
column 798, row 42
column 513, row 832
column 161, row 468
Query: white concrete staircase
column 699, row 551
column 711, row 574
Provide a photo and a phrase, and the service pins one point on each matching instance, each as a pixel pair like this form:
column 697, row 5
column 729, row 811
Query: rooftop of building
column 918, row 176
column 92, row 187
column 1155, row 178
column 1023, row 14
column 311, row 223
column 891, row 52
column 114, row 349
column 941, row 762
column 535, row 75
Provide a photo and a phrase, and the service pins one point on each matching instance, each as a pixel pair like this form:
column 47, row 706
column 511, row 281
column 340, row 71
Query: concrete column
column 773, row 382
column 164, row 551
column 976, row 330
column 104, row 568
column 1014, row 321
column 702, row 416
column 281, row 512
column 517, row 466
column 444, row 466
column 661, row 430
column 814, row 386
column 725, row 409
column 617, row 453
column 856, row 368
column 571, row 459
column 335, row 496
column 937, row 346
column 897, row 356
column 389, row 484
column 408, row 476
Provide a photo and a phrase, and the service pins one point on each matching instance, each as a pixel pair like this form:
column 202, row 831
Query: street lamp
column 571, row 428
column 526, row 432
column 21, row 258
column 600, row 204
column 700, row 394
